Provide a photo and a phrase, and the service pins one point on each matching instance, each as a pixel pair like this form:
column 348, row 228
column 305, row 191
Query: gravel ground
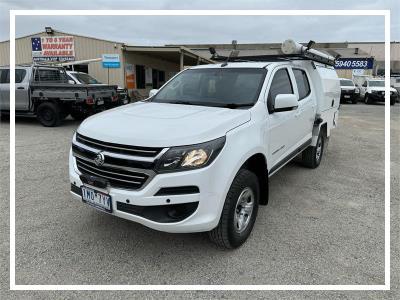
column 322, row 226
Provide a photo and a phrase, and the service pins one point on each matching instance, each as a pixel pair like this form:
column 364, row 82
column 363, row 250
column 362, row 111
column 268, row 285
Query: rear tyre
column 312, row 156
column 239, row 212
column 392, row 102
column 49, row 114
column 354, row 101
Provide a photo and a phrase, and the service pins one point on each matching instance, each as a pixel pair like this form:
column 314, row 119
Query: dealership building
column 141, row 68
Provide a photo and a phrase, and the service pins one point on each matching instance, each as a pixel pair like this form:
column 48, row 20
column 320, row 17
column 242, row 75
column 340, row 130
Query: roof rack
column 290, row 51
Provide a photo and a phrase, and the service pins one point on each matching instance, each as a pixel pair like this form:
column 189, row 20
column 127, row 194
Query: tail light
column 89, row 100
column 114, row 98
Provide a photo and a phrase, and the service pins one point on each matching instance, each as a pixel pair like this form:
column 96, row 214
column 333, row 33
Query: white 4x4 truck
column 197, row 155
column 373, row 90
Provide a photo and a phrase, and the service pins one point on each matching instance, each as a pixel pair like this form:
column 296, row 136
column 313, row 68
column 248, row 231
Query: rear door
column 305, row 113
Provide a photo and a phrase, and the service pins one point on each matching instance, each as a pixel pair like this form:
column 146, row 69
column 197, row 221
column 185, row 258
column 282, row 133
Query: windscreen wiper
column 182, row 102
column 236, row 105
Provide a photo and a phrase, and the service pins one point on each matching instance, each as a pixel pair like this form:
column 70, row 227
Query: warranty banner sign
column 53, row 48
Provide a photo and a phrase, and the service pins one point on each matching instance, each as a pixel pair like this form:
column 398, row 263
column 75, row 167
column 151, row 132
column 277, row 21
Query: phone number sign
column 354, row 63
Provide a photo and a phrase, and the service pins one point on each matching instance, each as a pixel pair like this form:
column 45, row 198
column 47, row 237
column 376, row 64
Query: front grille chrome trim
column 150, row 173
column 116, row 155
column 108, row 177
column 112, row 173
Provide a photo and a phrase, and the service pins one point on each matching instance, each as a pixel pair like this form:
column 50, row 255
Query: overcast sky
column 206, row 29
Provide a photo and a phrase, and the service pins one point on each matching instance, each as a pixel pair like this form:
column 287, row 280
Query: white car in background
column 373, row 90
column 349, row 92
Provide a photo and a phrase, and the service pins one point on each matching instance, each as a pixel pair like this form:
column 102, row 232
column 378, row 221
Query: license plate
column 97, row 199
column 347, row 96
column 100, row 102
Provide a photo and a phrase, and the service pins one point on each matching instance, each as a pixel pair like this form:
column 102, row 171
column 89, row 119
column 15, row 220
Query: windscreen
column 221, row 87
column 377, row 83
column 86, row 78
column 346, row 83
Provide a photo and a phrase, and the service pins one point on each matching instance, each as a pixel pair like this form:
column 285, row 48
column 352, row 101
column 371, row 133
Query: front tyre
column 312, row 156
column 239, row 212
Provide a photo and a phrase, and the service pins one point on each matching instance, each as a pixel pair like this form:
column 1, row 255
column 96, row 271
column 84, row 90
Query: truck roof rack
column 290, row 51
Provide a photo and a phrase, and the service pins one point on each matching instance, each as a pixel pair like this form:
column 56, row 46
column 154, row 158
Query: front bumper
column 207, row 203
column 380, row 97
column 348, row 95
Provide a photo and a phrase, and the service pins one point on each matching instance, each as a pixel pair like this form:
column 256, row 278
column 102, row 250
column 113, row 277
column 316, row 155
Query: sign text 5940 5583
column 354, row 63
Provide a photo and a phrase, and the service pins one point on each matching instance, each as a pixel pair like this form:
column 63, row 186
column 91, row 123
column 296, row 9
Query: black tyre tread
column 308, row 155
column 53, row 106
column 219, row 235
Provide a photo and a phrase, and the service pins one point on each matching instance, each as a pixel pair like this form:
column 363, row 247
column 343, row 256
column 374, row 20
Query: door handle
column 20, row 88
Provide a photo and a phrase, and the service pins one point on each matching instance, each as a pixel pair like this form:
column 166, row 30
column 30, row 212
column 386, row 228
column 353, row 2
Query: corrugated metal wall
column 85, row 48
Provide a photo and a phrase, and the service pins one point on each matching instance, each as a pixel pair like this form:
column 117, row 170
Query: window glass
column 281, row 84
column 214, row 87
column 86, row 78
column 377, row 83
column 50, row 75
column 4, row 75
column 344, row 82
column 302, row 83
column 19, row 75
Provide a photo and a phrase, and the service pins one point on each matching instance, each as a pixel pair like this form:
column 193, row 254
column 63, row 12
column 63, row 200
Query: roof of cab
column 257, row 65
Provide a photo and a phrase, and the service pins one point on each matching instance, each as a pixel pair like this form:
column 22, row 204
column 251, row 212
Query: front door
column 4, row 89
column 281, row 125
column 21, row 90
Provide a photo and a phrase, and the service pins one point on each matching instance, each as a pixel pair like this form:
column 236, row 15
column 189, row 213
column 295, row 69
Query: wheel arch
column 257, row 164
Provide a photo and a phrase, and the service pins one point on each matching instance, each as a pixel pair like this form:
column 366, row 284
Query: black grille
column 117, row 177
column 118, row 148
column 177, row 190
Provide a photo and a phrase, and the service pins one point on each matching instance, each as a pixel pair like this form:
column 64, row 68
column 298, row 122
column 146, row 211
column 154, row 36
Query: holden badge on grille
column 99, row 159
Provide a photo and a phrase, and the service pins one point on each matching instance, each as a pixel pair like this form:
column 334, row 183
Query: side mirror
column 153, row 92
column 71, row 81
column 285, row 102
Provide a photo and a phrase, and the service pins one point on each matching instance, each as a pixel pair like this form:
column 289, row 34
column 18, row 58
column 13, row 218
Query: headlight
column 191, row 157
column 357, row 90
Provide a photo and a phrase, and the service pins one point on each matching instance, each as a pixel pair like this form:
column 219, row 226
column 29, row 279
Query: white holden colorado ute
column 196, row 156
